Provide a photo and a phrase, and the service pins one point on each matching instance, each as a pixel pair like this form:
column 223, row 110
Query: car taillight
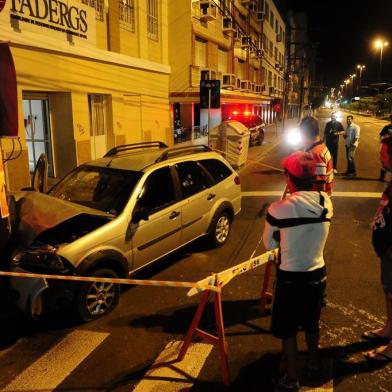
column 237, row 180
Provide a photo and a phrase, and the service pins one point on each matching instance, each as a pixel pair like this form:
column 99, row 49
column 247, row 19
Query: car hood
column 34, row 213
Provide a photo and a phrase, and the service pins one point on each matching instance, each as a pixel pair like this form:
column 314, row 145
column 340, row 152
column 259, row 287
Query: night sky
column 344, row 31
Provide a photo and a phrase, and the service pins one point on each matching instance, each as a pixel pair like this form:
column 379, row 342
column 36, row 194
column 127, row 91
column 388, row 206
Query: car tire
column 94, row 299
column 219, row 229
column 260, row 139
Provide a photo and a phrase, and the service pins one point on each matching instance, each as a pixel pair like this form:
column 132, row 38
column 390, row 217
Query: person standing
column 385, row 133
column 382, row 243
column 299, row 226
column 333, row 130
column 351, row 137
column 310, row 132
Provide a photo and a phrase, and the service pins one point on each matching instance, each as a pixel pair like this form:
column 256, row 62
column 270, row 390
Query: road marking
column 178, row 376
column 369, row 195
column 53, row 367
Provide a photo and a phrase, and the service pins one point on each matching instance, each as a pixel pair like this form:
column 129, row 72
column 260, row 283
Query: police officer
column 333, row 129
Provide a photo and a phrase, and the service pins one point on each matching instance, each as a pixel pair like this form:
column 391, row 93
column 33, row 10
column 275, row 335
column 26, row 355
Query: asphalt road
column 116, row 352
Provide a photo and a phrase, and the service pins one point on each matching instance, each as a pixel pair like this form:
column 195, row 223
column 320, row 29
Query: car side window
column 218, row 170
column 193, row 178
column 158, row 191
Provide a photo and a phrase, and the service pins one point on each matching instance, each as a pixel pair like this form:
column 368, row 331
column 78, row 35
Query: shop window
column 99, row 7
column 127, row 14
column 152, row 19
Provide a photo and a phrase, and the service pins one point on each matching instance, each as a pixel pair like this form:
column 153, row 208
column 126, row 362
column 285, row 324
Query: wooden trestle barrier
column 217, row 340
column 266, row 291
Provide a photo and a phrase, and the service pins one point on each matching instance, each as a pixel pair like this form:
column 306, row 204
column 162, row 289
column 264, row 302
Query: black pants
column 333, row 149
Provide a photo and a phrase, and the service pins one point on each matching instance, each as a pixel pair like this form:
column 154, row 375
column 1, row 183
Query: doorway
column 100, row 130
column 38, row 131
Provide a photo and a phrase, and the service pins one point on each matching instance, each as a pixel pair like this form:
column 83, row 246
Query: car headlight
column 294, row 137
column 43, row 257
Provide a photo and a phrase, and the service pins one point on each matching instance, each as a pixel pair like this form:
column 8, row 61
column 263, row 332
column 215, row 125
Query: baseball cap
column 300, row 164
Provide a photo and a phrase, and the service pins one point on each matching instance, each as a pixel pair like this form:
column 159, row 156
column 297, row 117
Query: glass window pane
column 192, row 178
column 158, row 191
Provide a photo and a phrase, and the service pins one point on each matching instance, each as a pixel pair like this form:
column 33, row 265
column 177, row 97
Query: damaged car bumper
column 28, row 293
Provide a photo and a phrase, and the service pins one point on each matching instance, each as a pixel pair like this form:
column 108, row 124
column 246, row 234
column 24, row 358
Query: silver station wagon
column 115, row 215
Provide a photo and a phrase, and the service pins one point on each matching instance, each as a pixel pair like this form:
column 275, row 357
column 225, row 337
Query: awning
column 8, row 93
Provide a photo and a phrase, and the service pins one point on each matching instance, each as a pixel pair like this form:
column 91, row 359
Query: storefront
column 76, row 99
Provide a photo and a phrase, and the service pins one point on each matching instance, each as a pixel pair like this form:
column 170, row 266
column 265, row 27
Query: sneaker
column 284, row 384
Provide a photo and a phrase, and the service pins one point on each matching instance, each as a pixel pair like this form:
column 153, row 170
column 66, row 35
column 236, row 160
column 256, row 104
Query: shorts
column 386, row 271
column 298, row 298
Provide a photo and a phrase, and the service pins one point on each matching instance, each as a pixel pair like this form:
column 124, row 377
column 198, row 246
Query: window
column 126, row 10
column 98, row 5
column 218, row 170
column 276, row 53
column 271, row 49
column 152, row 19
column 272, row 19
column 269, row 78
column 267, row 11
column 192, row 178
column 200, row 53
column 158, row 191
column 222, row 60
column 101, row 188
column 276, row 26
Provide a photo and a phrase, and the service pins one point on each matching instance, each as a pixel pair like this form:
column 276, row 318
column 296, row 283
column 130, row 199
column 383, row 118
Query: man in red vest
column 324, row 179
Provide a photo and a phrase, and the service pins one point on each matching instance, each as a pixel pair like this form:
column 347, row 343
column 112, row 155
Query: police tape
column 214, row 282
column 136, row 282
column 224, row 277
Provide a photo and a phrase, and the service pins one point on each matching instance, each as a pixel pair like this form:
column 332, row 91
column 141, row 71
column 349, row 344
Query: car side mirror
column 140, row 213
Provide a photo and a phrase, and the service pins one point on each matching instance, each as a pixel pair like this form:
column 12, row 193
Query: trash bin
column 233, row 141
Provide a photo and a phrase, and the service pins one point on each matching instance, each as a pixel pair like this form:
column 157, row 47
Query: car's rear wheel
column 220, row 229
column 260, row 139
column 96, row 299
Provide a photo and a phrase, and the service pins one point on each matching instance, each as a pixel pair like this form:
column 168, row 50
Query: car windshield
column 102, row 188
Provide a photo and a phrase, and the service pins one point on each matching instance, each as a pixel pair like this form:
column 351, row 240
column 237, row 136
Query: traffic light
column 215, row 94
column 205, row 87
column 204, row 95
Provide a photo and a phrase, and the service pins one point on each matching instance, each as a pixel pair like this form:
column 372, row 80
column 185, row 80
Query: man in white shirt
column 351, row 136
column 299, row 226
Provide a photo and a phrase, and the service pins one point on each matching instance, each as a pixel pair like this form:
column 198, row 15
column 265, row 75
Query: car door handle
column 174, row 215
column 210, row 196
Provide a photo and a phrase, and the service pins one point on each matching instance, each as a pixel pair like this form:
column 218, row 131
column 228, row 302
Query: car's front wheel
column 220, row 229
column 96, row 299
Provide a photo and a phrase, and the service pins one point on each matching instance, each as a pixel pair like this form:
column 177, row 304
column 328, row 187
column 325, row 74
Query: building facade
column 239, row 42
column 91, row 74
column 300, row 65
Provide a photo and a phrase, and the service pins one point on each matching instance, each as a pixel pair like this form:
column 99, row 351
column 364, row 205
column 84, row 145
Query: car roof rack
column 134, row 146
column 178, row 151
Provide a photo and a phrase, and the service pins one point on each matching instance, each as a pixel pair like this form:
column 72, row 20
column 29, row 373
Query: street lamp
column 361, row 68
column 380, row 44
column 352, row 81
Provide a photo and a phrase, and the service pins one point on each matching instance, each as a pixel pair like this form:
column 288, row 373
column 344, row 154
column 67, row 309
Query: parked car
column 254, row 123
column 115, row 215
